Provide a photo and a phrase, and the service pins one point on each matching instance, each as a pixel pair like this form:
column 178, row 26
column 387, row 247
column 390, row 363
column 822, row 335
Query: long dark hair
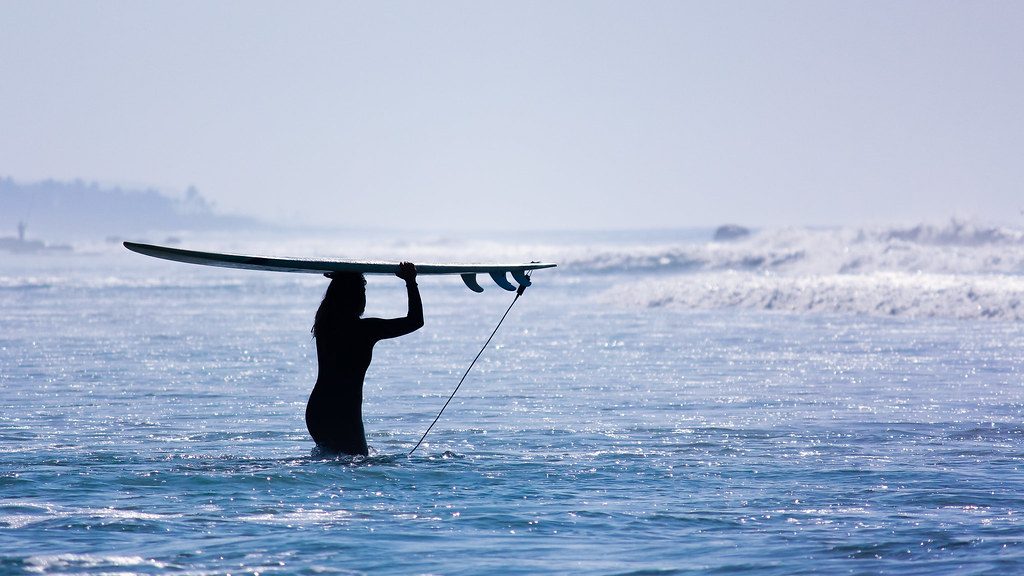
column 345, row 299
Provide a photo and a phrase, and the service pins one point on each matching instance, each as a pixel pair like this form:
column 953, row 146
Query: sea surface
column 798, row 401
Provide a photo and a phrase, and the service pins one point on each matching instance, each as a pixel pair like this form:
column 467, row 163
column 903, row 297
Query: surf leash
column 519, row 292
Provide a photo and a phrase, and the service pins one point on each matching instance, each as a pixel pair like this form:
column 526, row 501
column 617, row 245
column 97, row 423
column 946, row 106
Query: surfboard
column 468, row 272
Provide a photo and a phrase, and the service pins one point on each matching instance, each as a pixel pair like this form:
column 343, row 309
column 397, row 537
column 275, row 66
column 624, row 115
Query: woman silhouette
column 344, row 348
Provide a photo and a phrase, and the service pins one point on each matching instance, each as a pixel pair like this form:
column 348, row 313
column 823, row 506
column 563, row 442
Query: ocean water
column 796, row 402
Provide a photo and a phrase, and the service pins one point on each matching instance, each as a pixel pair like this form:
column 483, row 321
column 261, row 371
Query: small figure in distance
column 344, row 348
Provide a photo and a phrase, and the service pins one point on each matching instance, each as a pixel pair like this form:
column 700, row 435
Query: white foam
column 19, row 520
column 956, row 248
column 878, row 294
column 46, row 564
column 11, row 282
column 300, row 517
column 32, row 512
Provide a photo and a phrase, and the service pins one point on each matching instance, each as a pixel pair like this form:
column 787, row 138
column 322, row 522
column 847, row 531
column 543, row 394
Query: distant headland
column 71, row 211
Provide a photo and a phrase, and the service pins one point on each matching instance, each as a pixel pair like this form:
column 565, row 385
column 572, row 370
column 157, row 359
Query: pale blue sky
column 454, row 115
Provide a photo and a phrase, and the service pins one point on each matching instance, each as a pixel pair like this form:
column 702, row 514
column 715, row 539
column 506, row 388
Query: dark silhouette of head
column 345, row 299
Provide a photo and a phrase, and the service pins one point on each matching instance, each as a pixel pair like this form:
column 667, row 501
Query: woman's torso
column 334, row 410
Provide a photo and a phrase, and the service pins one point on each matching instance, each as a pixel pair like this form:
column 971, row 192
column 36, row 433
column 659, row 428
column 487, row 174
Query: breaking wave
column 43, row 282
column 958, row 270
column 956, row 248
column 877, row 294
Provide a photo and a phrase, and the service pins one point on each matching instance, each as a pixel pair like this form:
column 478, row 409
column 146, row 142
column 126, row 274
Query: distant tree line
column 70, row 210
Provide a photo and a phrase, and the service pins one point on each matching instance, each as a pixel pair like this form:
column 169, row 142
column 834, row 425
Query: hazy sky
column 453, row 115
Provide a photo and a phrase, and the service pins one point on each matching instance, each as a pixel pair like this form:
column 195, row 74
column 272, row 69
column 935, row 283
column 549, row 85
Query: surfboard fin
column 471, row 283
column 521, row 277
column 500, row 279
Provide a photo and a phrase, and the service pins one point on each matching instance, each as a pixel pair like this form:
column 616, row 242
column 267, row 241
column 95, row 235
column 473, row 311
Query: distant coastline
column 48, row 215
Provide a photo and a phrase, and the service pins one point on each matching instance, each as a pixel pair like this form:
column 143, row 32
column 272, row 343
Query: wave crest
column 956, row 248
column 879, row 294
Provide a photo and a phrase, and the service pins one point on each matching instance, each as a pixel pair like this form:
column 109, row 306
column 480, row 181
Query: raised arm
column 413, row 320
column 407, row 272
